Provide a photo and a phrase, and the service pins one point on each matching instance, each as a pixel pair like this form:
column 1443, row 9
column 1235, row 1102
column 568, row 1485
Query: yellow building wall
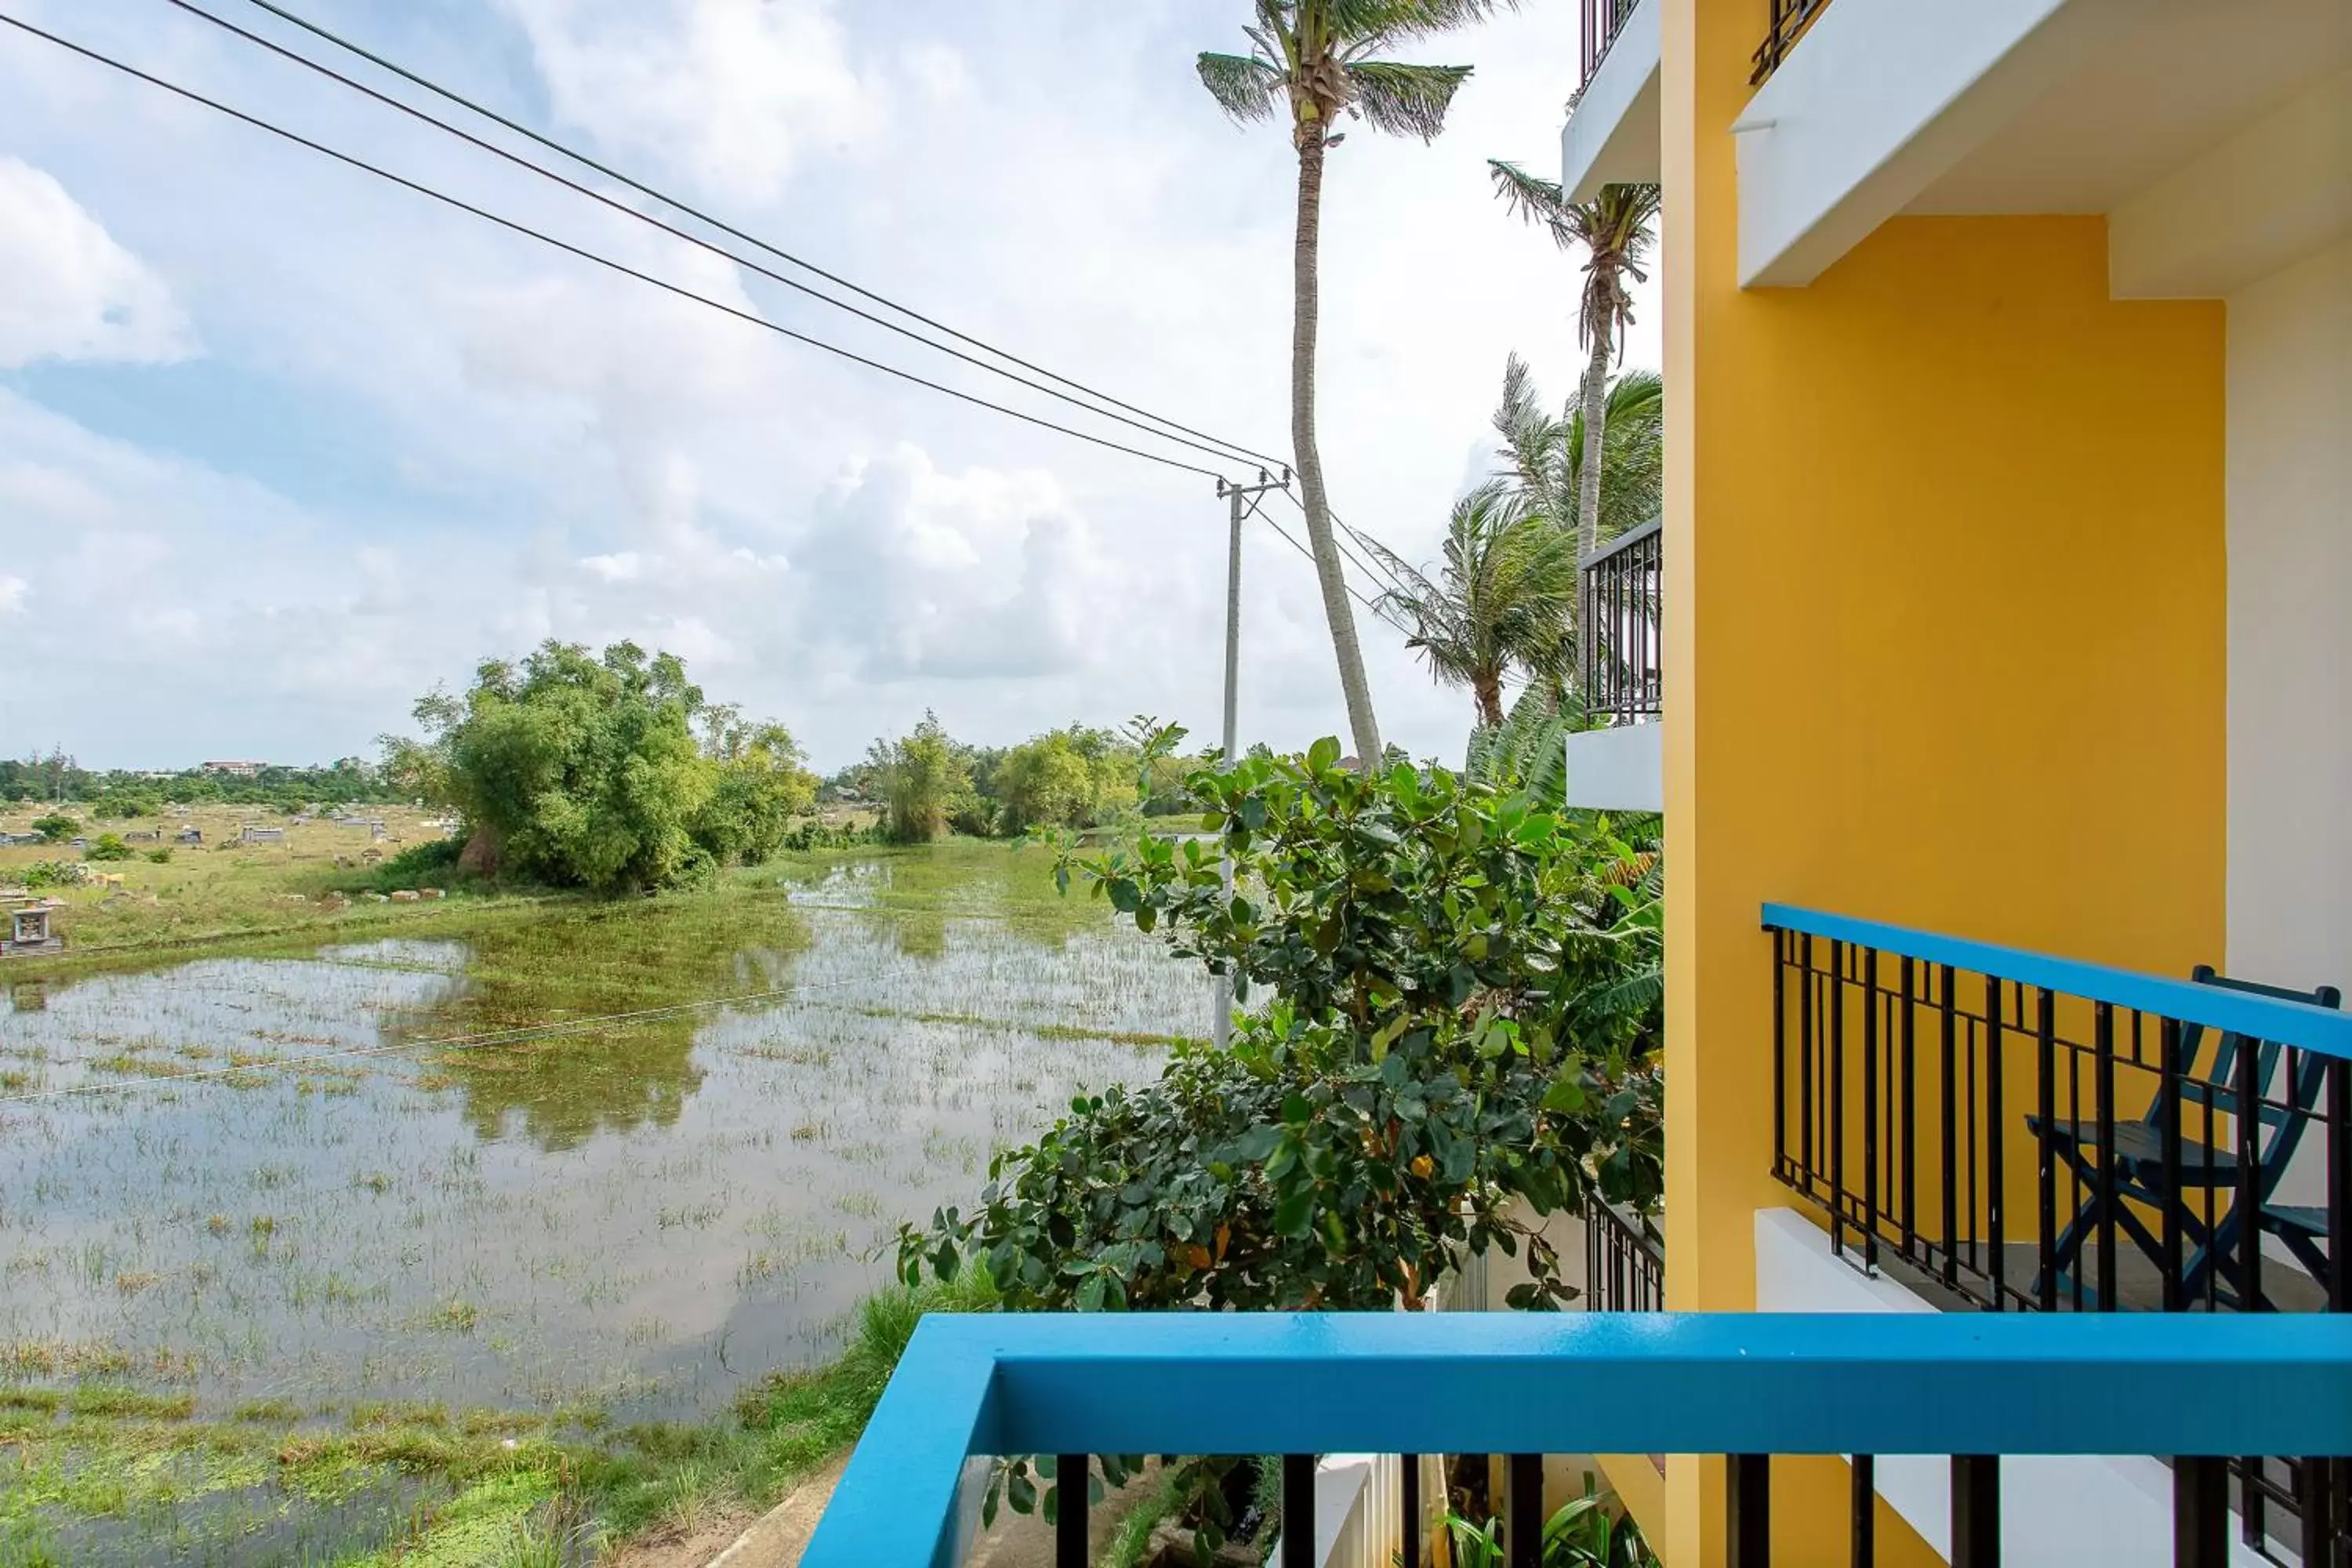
column 1945, row 645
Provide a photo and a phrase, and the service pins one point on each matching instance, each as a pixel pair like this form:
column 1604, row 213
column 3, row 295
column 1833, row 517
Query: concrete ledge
column 1619, row 769
column 1612, row 134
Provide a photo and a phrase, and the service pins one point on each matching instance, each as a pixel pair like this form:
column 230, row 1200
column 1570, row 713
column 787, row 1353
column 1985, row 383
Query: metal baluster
column 1951, row 1154
column 2102, row 1084
column 1779, row 1054
column 2045, row 1165
column 1976, row 1511
column 1748, row 1520
column 1864, row 1553
column 1996, row 1187
column 1870, row 1109
column 2200, row 1513
column 2167, row 1095
column 1909, row 1126
column 2246, row 1209
column 1807, row 1043
column 2315, row 1500
column 1836, row 1130
column 1410, row 1466
column 1070, row 1485
column 1299, row 1511
column 2339, row 1193
column 1524, row 1538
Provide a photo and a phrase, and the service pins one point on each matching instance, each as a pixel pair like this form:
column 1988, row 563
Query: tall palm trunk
column 1487, row 688
column 1596, row 419
column 1328, row 570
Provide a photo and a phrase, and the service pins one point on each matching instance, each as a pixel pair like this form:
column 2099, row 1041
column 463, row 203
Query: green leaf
column 1323, row 755
column 1294, row 1215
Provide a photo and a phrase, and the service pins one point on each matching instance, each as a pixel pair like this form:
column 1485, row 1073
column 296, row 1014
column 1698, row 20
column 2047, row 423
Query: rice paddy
column 297, row 1250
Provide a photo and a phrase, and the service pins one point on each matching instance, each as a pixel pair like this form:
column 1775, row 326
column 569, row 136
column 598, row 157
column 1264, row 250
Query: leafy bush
column 50, row 874
column 109, row 846
column 1585, row 1532
column 56, row 827
column 116, row 806
column 425, row 865
column 1450, row 1035
column 160, row 857
column 812, row 834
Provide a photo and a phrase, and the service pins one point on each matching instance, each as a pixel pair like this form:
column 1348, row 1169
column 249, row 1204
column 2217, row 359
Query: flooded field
column 346, row 1186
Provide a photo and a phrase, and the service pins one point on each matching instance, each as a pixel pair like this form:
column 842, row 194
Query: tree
column 584, row 771
column 55, row 827
column 1066, row 778
column 1542, row 454
column 1504, row 598
column 1615, row 231
column 1310, row 62
column 926, row 779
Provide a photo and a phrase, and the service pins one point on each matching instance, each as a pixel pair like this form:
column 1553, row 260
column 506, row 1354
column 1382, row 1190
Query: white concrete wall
column 2069, row 1511
column 1613, row 136
column 2290, row 531
column 1621, row 768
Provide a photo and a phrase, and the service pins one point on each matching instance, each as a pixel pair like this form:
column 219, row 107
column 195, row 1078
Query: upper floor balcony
column 1620, row 650
column 1612, row 131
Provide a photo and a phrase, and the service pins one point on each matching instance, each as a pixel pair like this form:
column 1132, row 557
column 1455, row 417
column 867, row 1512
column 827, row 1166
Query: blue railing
column 1744, row 1384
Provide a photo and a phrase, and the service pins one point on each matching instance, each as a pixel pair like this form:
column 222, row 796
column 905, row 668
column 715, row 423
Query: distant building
column 237, row 770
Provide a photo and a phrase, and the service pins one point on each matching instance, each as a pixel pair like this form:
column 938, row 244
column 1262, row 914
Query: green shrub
column 56, row 827
column 160, row 857
column 110, row 847
column 430, row 864
column 50, row 874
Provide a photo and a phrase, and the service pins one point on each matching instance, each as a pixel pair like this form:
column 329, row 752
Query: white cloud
column 13, row 593
column 734, row 92
column 72, row 293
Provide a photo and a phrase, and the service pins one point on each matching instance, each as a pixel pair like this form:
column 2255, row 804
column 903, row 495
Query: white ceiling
column 2181, row 78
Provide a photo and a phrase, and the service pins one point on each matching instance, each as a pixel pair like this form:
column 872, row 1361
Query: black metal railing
column 1620, row 640
column 1624, row 1259
column 1522, row 1384
column 1790, row 20
column 2017, row 1132
column 1604, row 20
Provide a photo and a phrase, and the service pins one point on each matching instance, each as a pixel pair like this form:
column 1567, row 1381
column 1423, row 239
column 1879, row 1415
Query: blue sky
column 282, row 447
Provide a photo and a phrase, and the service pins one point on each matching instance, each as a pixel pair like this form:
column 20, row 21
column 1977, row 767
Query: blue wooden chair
column 2137, row 1158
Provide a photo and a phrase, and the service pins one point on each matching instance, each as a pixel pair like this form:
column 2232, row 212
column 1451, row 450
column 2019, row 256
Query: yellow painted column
column 1944, row 642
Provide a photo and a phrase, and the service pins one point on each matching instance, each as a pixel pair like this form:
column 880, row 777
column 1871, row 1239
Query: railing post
column 1976, row 1511
column 2200, row 1513
column 2045, row 1164
column 1299, row 1511
column 1864, row 1553
column 1070, row 1486
column 1747, row 1519
column 1525, row 1537
column 1409, row 1466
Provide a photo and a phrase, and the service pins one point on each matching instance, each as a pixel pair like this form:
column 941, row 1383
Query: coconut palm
column 1310, row 63
column 1615, row 231
column 1500, row 602
column 1542, row 454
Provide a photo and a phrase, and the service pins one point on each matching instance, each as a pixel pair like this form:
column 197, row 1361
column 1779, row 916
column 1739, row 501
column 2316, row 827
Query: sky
column 283, row 447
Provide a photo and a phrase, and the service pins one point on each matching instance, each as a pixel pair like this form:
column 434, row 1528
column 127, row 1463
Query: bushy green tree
column 1076, row 777
column 925, row 778
column 55, row 827
column 585, row 770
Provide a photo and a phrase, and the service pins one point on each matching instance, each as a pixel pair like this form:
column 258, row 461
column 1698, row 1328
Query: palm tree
column 1501, row 601
column 1615, row 231
column 1542, row 454
column 1310, row 62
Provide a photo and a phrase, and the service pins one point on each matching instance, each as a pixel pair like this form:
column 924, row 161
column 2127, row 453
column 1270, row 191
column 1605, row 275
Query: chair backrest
column 2216, row 1085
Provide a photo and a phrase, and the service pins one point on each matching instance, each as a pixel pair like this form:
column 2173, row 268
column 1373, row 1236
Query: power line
column 586, row 255
column 1373, row 606
column 1377, row 574
column 644, row 189
column 1220, row 449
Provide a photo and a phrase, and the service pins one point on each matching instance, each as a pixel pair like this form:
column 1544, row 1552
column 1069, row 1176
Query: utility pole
column 1221, row 1023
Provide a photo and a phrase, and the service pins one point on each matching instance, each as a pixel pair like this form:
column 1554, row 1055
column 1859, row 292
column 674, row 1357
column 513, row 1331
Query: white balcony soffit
column 1611, row 137
column 2147, row 110
column 1619, row 769
column 2285, row 183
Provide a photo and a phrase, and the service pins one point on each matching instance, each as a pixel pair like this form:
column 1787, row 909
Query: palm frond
column 1536, row 199
column 1247, row 87
column 1380, row 23
column 1405, row 100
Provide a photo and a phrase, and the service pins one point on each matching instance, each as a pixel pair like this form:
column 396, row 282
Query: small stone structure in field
column 28, row 930
column 254, row 833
